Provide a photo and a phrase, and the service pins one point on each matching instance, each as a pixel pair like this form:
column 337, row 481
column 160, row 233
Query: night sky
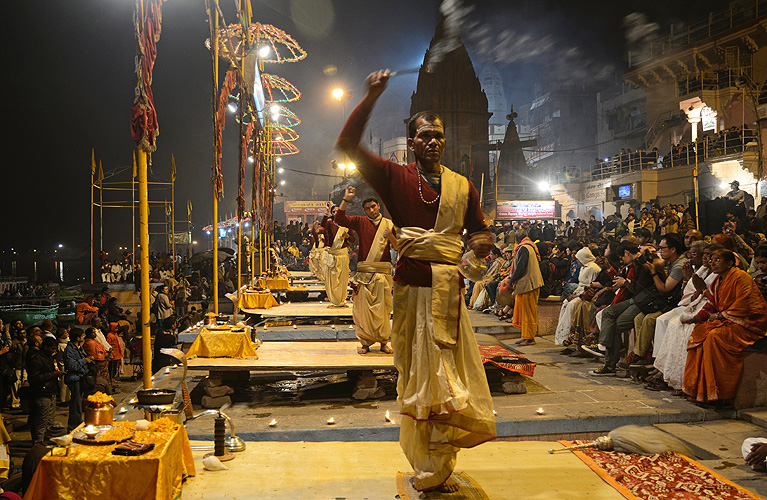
column 69, row 85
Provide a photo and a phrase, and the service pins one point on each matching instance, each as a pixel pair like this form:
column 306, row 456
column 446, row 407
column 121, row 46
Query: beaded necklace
column 420, row 188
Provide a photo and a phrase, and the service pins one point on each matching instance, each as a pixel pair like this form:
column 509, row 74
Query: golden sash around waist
column 374, row 267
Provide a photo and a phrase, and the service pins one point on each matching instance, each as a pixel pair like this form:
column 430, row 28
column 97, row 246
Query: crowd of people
column 52, row 366
column 647, row 292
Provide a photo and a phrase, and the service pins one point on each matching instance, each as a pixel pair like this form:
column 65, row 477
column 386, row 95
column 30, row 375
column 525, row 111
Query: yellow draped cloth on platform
column 92, row 472
column 222, row 344
column 442, row 388
column 274, row 283
column 257, row 300
column 5, row 460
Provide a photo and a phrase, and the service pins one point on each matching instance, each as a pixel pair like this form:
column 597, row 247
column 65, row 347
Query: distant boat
column 30, row 310
column 29, row 314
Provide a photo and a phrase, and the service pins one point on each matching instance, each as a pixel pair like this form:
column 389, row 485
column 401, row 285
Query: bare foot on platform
column 363, row 350
column 449, row 486
column 386, row 349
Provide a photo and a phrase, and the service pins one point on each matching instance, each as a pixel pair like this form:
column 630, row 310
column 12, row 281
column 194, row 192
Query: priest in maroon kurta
column 441, row 389
column 372, row 297
column 335, row 260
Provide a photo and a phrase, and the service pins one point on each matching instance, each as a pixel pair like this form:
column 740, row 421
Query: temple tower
column 450, row 87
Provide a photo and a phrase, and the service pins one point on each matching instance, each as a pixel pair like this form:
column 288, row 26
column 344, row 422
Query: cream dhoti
column 442, row 388
column 335, row 264
column 372, row 302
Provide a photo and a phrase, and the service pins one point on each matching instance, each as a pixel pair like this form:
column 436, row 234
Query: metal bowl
column 156, row 396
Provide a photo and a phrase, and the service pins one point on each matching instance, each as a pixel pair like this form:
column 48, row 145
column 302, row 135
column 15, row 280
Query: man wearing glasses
column 672, row 251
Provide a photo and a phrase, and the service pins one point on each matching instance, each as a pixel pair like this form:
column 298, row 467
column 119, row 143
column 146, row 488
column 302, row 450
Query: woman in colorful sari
column 734, row 317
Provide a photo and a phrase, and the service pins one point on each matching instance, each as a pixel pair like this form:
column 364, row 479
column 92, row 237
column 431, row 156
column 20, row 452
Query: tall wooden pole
column 214, row 54
column 133, row 218
column 101, row 210
column 146, row 334
column 92, row 260
column 173, row 222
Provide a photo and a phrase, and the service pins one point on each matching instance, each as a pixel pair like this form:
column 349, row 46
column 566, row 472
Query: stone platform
column 367, row 470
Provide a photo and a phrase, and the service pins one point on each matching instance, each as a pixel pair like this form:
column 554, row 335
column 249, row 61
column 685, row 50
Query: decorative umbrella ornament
column 640, row 440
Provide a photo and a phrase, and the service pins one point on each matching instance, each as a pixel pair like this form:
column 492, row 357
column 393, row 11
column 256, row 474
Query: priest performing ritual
column 318, row 246
column 372, row 298
column 442, row 390
column 335, row 259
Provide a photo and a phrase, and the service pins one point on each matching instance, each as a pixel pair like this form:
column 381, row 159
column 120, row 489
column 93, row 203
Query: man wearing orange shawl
column 733, row 319
column 527, row 280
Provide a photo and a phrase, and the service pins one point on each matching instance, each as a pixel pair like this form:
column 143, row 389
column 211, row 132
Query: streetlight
column 342, row 96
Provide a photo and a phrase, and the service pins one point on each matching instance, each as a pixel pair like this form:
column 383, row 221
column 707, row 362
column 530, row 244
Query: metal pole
column 697, row 196
column 146, row 334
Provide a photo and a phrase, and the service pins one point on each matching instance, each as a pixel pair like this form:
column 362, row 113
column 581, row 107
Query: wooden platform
column 307, row 309
column 300, row 356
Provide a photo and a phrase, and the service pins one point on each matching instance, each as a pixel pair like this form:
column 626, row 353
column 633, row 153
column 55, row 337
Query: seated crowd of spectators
column 650, row 293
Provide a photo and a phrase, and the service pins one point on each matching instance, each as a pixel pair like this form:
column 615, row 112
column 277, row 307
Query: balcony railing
column 727, row 142
column 738, row 14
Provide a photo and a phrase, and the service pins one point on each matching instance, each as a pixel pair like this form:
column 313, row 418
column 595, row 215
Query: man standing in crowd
column 435, row 351
column 43, row 385
column 164, row 308
column 527, row 281
column 372, row 298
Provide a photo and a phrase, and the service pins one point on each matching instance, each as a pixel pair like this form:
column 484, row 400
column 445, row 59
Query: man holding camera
column 619, row 317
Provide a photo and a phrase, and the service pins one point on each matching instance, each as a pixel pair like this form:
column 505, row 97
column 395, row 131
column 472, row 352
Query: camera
column 642, row 259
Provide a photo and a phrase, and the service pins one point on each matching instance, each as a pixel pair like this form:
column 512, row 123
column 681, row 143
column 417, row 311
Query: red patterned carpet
column 506, row 359
column 667, row 476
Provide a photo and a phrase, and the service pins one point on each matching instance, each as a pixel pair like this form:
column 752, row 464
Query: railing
column 660, row 123
column 710, row 80
column 727, row 142
column 740, row 13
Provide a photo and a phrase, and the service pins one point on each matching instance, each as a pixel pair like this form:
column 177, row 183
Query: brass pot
column 99, row 413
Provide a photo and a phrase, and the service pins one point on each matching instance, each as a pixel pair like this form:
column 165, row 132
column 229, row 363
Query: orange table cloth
column 274, row 283
column 93, row 472
column 257, row 300
column 222, row 343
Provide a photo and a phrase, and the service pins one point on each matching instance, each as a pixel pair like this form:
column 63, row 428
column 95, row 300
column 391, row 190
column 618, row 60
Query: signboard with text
column 525, row 209
column 305, row 207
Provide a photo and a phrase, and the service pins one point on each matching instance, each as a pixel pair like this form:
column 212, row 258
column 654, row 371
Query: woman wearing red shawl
column 733, row 319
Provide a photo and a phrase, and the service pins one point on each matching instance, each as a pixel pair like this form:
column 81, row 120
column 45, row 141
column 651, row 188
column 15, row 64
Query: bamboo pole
column 92, row 259
column 101, row 212
column 173, row 224
column 133, row 218
column 146, row 334
column 214, row 53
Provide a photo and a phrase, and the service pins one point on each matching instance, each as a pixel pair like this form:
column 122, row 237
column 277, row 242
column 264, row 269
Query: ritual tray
column 79, row 436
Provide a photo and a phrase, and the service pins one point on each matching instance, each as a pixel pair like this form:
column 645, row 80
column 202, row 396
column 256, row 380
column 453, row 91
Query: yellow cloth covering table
column 257, row 300
column 93, row 472
column 222, row 343
column 5, row 460
column 274, row 283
